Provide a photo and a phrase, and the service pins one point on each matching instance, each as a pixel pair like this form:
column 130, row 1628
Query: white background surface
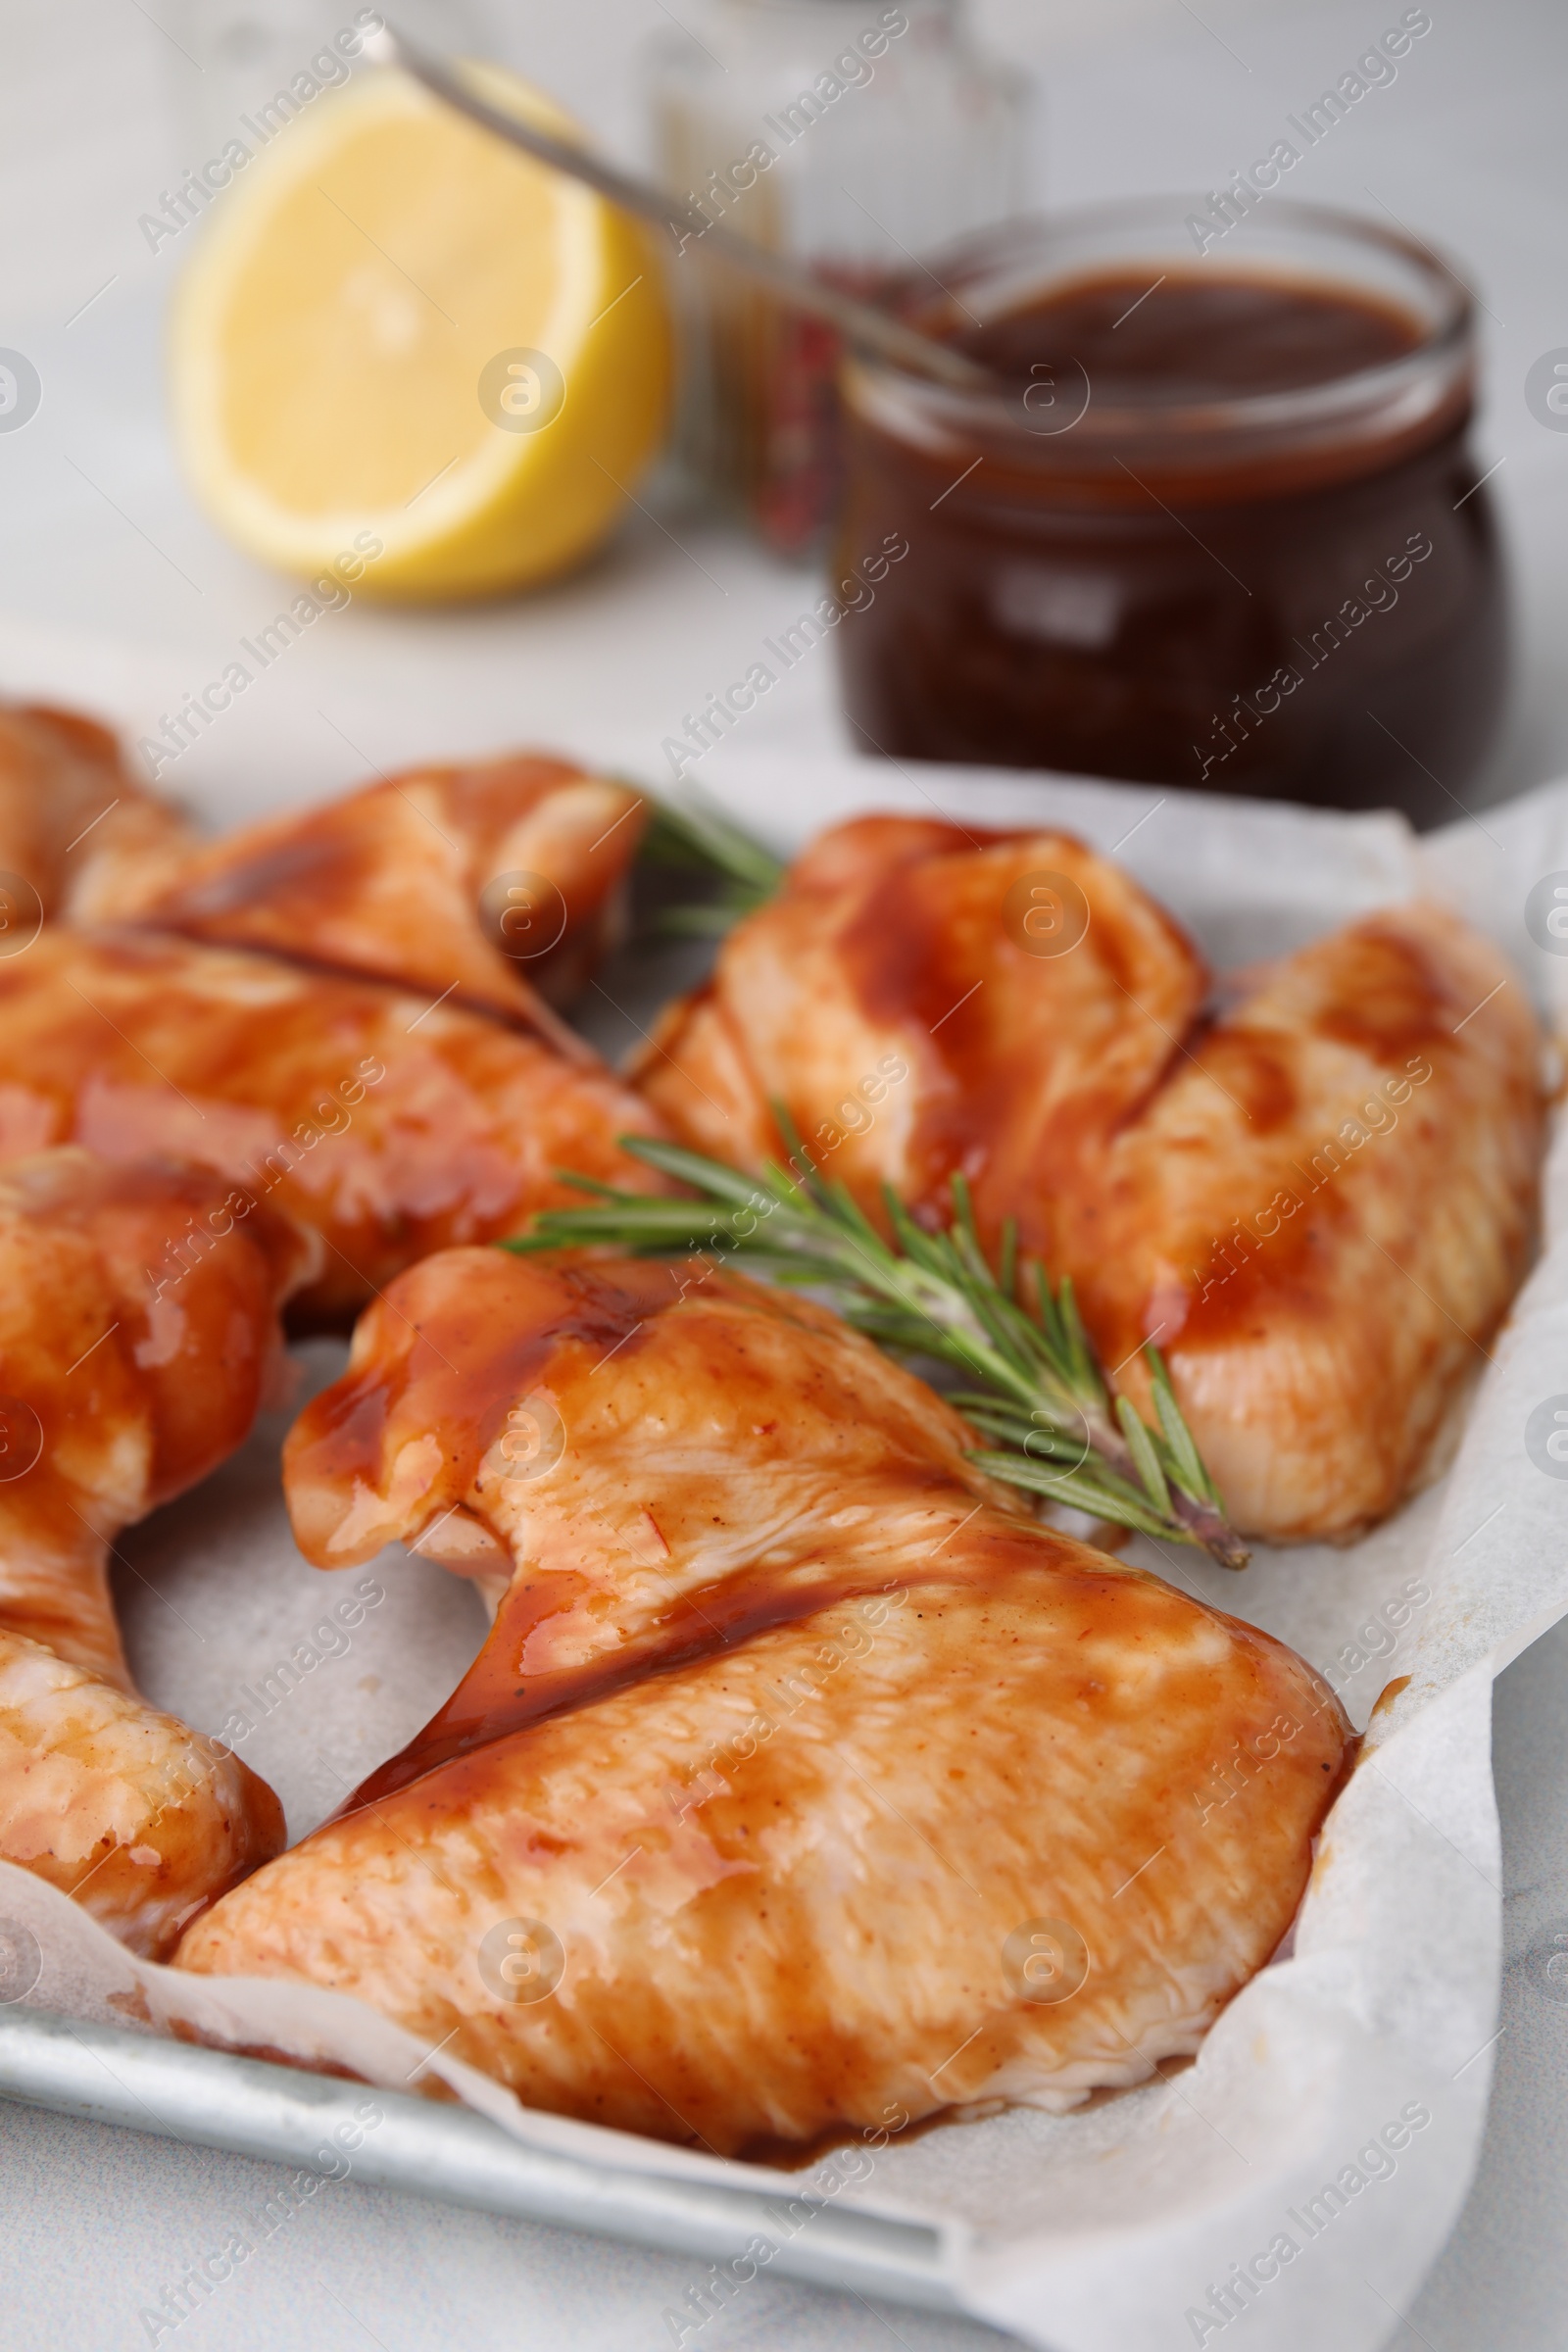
column 111, row 584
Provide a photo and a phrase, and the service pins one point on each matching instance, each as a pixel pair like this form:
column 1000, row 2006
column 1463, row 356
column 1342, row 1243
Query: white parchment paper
column 1296, row 2182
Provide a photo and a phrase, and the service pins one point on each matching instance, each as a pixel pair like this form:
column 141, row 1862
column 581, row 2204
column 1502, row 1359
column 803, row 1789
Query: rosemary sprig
column 699, row 839
column 1039, row 1393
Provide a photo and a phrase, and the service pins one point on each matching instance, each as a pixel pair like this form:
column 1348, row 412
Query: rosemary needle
column 697, row 839
column 1038, row 1393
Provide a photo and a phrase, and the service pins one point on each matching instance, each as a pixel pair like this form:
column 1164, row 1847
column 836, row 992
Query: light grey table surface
column 101, row 551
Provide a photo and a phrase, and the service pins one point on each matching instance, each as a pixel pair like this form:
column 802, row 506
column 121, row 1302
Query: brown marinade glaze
column 339, row 1434
column 819, row 1726
column 1190, row 626
column 911, row 962
column 1403, row 1009
column 1313, row 1189
column 460, row 1755
column 388, row 1124
column 1406, row 1005
column 920, row 954
column 313, row 871
column 140, row 1339
column 338, row 1441
column 464, row 1386
column 393, row 882
column 495, row 1702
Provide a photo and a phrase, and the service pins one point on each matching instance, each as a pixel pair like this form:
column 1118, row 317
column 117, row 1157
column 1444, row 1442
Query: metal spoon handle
column 857, row 321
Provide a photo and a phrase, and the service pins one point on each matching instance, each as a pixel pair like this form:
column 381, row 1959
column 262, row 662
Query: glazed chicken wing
column 1323, row 1214
column 1319, row 1204
column 804, row 1777
column 76, row 831
column 498, row 884
column 387, row 1125
column 138, row 1341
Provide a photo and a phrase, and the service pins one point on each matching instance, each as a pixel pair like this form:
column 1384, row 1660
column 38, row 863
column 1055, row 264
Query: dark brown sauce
column 338, row 1439
column 527, row 1312
column 496, row 1703
column 530, row 1312
column 197, row 1327
column 918, row 955
column 312, row 870
column 494, row 1700
column 1322, row 619
column 1251, row 1068
column 1251, row 1281
column 913, row 967
column 1403, row 1009
column 1198, row 338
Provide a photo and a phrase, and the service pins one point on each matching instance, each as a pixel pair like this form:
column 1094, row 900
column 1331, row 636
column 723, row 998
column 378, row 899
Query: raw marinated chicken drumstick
column 497, row 883
column 138, row 1335
column 1317, row 1203
column 804, row 1777
column 76, row 834
column 388, row 1124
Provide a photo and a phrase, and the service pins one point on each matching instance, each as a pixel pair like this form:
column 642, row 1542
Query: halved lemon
column 409, row 352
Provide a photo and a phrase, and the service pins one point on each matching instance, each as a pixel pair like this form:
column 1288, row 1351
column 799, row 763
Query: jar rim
column 1418, row 392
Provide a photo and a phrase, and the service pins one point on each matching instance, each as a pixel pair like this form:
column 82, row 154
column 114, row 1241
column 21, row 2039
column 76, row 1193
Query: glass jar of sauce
column 1218, row 523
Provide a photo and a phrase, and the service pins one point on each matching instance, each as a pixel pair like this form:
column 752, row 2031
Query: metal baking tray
column 282, row 2114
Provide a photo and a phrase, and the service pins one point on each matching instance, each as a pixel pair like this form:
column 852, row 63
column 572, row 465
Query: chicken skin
column 500, row 883
column 804, row 1777
column 385, row 1124
column 76, row 831
column 138, row 1335
column 1318, row 1201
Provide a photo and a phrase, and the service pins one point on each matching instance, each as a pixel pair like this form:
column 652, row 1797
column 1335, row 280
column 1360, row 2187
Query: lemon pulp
column 399, row 330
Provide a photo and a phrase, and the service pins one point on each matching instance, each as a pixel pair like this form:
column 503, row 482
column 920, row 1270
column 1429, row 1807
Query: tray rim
column 146, row 2082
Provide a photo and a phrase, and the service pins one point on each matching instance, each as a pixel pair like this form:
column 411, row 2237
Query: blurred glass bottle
column 242, row 69
column 858, row 136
